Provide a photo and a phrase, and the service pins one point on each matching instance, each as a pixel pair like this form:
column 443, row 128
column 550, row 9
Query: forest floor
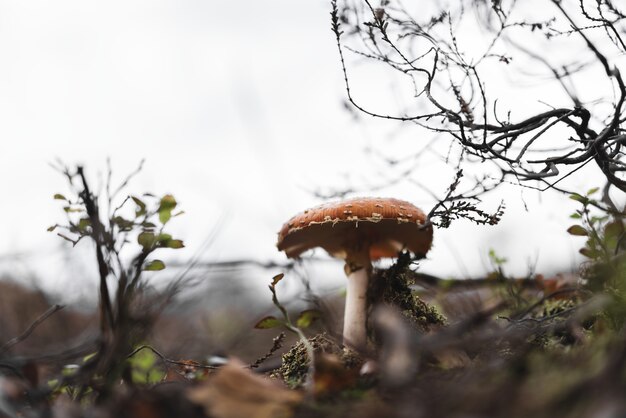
column 499, row 346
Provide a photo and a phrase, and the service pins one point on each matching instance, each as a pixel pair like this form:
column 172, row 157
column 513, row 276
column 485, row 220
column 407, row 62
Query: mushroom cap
column 385, row 225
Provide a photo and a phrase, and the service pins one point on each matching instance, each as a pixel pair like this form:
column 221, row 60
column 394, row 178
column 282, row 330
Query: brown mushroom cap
column 386, row 225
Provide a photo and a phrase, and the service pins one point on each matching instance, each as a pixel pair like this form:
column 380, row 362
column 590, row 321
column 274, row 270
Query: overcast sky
column 236, row 107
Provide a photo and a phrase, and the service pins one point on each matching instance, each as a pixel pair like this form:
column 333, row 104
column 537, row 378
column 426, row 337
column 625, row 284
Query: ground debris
column 236, row 392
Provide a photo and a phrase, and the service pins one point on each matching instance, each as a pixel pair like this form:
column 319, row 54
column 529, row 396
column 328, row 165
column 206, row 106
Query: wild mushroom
column 357, row 230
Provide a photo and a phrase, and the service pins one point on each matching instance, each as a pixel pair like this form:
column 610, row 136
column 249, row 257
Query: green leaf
column 141, row 206
column 577, row 230
column 269, row 322
column 166, row 241
column 154, row 265
column 592, row 191
column 167, row 202
column 613, row 229
column 588, row 253
column 51, row 228
column 277, row 278
column 123, row 224
column 306, row 318
column 164, row 238
column 175, row 244
column 495, row 259
column 70, row 209
column 83, row 224
column 613, row 232
column 575, row 216
column 579, row 198
column 166, row 206
column 165, row 216
column 59, row 196
column 146, row 240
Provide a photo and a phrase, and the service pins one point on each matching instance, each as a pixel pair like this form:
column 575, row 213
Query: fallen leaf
column 236, row 392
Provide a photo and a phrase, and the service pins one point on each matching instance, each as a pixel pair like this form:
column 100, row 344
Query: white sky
column 236, row 106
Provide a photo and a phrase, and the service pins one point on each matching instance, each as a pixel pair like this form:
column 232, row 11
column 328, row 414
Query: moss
column 392, row 286
column 556, row 306
column 295, row 362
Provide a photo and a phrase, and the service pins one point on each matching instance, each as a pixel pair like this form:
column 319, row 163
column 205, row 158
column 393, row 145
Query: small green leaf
column 154, row 265
column 123, row 224
column 277, row 278
column 269, row 322
column 579, row 198
column 577, row 230
column 592, row 191
column 51, row 228
column 166, row 206
column 175, row 244
column 146, row 240
column 167, row 202
column 70, row 209
column 575, row 216
column 141, row 206
column 613, row 229
column 613, row 233
column 83, row 224
column 587, row 252
column 164, row 238
column 495, row 259
column 165, row 216
column 306, row 318
column 59, row 196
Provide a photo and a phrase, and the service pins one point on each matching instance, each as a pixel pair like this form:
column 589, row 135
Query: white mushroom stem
column 355, row 314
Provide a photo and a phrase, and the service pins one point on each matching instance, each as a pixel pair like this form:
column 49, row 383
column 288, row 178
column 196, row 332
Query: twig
column 14, row 341
column 278, row 343
column 170, row 361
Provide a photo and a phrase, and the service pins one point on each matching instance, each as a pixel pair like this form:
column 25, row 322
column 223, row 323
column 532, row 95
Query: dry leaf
column 236, row 392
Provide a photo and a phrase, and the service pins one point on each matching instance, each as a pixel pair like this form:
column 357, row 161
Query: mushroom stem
column 355, row 314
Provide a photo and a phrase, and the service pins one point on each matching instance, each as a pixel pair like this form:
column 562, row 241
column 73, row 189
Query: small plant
column 304, row 320
column 111, row 223
column 602, row 224
column 604, row 229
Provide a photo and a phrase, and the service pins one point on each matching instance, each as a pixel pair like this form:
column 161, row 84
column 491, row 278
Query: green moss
column 295, row 364
column 392, row 286
column 556, row 306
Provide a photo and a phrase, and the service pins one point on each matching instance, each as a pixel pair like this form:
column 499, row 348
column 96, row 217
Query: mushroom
column 358, row 231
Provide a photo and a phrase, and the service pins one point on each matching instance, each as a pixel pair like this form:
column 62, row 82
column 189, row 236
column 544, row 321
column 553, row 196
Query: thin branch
column 28, row 331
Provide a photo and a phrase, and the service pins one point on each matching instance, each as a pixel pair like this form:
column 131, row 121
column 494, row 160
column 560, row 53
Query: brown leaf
column 236, row 392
